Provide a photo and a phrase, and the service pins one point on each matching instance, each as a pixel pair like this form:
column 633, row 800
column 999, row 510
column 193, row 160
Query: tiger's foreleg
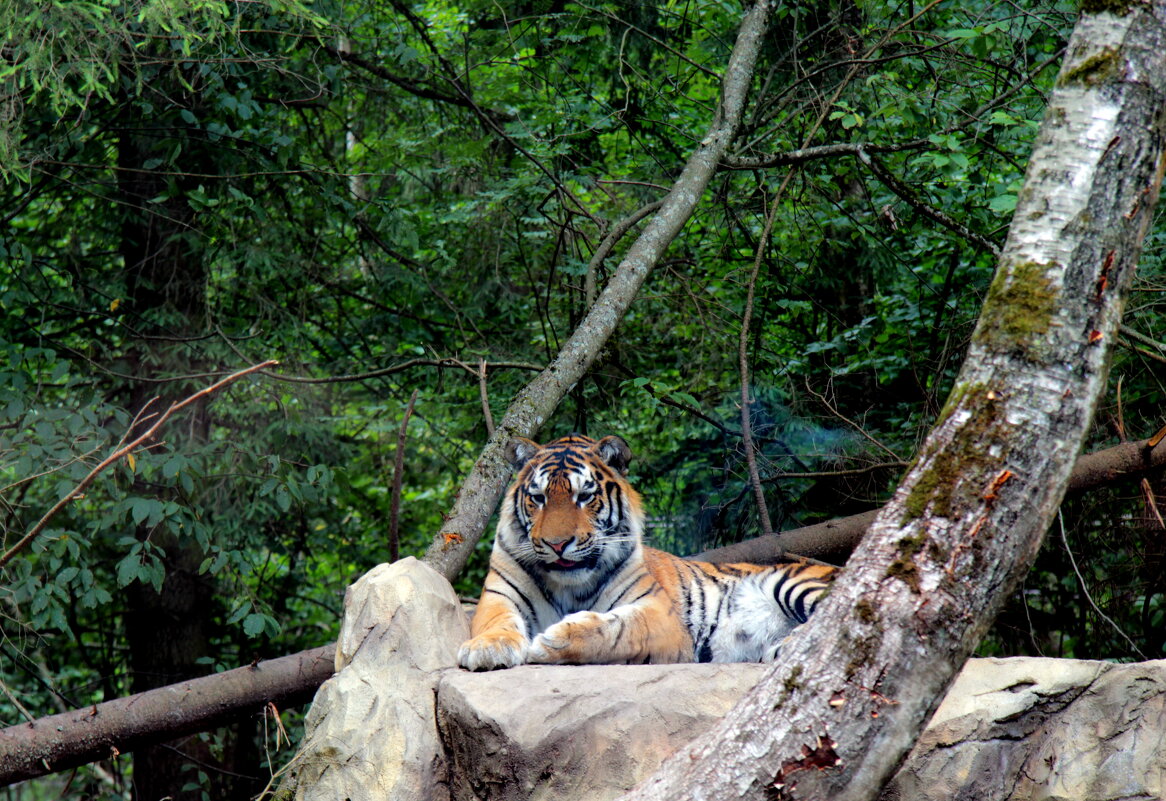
column 498, row 634
column 633, row 634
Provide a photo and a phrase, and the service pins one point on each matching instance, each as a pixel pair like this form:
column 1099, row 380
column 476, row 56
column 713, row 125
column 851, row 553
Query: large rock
column 1016, row 729
column 371, row 732
column 550, row 732
column 1043, row 730
column 1008, row 730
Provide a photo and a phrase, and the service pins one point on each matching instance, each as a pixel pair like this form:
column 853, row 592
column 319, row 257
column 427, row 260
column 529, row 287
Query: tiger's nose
column 559, row 547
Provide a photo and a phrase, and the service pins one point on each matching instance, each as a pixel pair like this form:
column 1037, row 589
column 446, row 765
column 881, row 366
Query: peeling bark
column 483, row 487
column 840, row 709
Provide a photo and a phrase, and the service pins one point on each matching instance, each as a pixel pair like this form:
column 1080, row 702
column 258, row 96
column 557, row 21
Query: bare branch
column 927, row 210
column 743, row 368
column 120, row 452
column 609, row 242
column 100, row 731
column 1088, row 595
column 485, row 395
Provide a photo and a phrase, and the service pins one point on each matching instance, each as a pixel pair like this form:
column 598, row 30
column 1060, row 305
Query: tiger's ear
column 615, row 452
column 519, row 450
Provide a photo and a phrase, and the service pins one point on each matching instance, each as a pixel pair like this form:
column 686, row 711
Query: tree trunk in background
column 168, row 632
column 852, row 690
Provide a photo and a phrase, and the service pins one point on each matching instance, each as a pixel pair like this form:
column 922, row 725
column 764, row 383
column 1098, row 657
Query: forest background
column 395, row 198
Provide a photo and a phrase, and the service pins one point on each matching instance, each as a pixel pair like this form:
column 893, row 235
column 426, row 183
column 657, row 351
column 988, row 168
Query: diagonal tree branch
column 535, row 403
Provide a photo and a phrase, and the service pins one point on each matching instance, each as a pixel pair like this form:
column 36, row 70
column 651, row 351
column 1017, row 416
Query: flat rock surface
column 1017, row 729
column 557, row 732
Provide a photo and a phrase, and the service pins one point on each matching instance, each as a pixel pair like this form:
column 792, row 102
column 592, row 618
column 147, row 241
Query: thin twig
column 1085, row 589
column 398, row 472
column 913, row 200
column 484, row 393
column 1126, row 331
column 121, row 451
column 854, row 471
column 834, row 411
column 1152, row 503
column 451, row 75
column 447, row 362
column 16, row 703
column 622, row 227
column 743, row 343
column 743, row 366
column 48, row 472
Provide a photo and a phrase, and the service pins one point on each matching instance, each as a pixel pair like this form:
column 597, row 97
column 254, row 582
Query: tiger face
column 570, row 512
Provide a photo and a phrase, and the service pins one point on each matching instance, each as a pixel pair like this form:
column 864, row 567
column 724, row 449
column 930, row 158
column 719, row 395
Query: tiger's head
column 570, row 511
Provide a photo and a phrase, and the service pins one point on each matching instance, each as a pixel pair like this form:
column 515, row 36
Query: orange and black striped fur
column 571, row 582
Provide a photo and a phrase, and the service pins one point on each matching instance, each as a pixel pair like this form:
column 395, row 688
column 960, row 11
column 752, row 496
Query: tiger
column 571, row 582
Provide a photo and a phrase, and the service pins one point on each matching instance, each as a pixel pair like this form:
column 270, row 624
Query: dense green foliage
column 192, row 187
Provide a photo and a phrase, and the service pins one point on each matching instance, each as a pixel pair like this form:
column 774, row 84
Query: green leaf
column 127, row 570
column 1003, row 204
column 172, row 465
column 254, row 624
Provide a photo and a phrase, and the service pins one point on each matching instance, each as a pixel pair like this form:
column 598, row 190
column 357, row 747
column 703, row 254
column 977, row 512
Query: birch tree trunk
column 852, row 690
column 479, row 493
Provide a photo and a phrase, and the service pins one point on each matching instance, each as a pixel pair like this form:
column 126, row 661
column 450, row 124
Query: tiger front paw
column 493, row 650
column 570, row 641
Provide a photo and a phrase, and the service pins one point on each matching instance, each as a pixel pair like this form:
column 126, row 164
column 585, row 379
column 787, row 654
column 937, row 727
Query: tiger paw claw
column 483, row 653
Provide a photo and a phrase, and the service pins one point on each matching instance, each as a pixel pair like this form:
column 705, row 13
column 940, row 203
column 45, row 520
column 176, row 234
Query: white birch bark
column 852, row 690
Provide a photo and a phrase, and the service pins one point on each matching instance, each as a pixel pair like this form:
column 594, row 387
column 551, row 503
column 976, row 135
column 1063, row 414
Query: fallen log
column 108, row 729
column 833, row 540
column 86, row 735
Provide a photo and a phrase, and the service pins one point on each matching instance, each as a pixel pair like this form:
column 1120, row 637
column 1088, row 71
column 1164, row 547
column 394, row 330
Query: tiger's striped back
column 739, row 612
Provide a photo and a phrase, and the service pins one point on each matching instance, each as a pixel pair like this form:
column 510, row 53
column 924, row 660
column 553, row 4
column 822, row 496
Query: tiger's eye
column 584, row 497
column 538, row 498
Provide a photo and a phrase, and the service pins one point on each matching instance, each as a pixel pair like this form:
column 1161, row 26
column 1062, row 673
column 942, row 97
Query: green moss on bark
column 934, row 487
column 1119, row 8
column 863, row 650
column 1098, row 68
column 1019, row 309
column 791, row 684
column 864, row 610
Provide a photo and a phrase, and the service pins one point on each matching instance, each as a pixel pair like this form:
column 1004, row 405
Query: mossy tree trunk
column 852, row 690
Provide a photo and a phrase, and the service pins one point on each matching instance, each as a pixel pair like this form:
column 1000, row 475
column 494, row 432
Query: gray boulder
column 1009, row 729
column 1043, row 730
column 551, row 732
column 371, row 732
column 399, row 723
